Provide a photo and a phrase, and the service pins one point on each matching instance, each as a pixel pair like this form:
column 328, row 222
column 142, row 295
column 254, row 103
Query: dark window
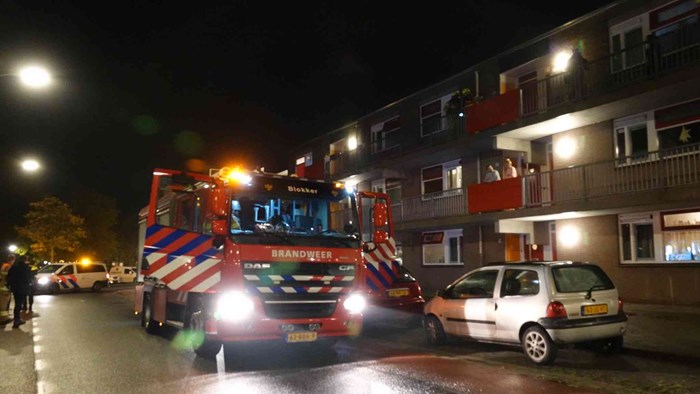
column 638, row 137
column 645, row 241
column 480, row 284
column 626, row 243
column 67, row 270
column 518, row 282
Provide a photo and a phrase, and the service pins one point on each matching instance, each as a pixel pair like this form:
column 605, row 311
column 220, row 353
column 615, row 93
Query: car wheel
column 54, row 289
column 434, row 333
column 97, row 286
column 609, row 345
column 152, row 327
column 206, row 348
column 538, row 346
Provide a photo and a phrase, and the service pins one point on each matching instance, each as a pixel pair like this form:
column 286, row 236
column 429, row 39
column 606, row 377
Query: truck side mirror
column 218, row 206
column 218, row 227
column 380, row 236
column 379, row 215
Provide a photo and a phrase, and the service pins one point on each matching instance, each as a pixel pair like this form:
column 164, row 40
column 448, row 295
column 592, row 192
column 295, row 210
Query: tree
column 51, row 227
column 100, row 213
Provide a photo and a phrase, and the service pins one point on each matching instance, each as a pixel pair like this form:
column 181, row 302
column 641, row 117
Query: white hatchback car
column 539, row 305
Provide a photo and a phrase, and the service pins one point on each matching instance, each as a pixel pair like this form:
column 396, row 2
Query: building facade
column 600, row 119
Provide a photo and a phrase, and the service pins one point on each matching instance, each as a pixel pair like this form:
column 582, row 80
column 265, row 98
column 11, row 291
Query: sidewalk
column 666, row 332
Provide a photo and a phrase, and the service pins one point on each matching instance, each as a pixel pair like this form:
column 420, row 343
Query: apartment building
column 600, row 118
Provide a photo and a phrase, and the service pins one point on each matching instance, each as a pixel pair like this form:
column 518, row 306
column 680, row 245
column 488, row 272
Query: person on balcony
column 491, row 175
column 509, row 171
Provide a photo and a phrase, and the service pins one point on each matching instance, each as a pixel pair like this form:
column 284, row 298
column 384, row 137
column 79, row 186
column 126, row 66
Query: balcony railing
column 650, row 59
column 431, row 205
column 634, row 174
column 654, row 57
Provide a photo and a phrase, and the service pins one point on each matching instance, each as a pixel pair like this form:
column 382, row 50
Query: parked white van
column 54, row 278
column 122, row 274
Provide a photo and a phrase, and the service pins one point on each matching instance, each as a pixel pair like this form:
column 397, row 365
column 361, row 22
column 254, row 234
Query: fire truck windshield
column 296, row 219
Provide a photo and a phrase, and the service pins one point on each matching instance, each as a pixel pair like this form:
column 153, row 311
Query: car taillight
column 620, row 305
column 556, row 309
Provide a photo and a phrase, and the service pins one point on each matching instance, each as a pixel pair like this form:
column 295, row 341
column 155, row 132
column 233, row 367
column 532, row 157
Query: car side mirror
column 441, row 293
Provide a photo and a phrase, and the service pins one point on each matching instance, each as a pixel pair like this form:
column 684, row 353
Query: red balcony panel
column 315, row 171
column 495, row 196
column 493, row 112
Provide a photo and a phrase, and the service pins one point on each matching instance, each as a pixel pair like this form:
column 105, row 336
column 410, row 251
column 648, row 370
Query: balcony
column 651, row 59
column 432, row 205
column 634, row 174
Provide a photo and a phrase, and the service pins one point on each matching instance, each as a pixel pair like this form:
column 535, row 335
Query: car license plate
column 398, row 292
column 305, row 336
column 599, row 309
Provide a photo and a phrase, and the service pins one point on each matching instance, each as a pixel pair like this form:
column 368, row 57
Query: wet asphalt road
column 92, row 342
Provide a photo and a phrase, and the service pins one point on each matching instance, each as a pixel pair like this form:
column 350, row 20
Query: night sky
column 139, row 86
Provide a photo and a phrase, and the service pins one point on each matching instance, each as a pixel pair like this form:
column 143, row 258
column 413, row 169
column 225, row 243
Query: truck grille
column 299, row 290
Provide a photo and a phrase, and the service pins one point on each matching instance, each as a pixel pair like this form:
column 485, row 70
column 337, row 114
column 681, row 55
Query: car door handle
column 495, row 306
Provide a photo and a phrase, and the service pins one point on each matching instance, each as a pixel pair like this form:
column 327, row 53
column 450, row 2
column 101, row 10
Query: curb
column 663, row 356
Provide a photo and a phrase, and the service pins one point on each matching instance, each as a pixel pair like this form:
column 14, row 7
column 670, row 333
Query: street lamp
column 34, row 77
column 12, row 248
column 30, row 165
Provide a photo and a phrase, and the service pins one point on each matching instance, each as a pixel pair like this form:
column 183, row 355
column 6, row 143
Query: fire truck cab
column 249, row 256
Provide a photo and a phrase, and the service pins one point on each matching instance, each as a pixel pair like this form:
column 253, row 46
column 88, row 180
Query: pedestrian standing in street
column 5, row 294
column 33, row 269
column 18, row 280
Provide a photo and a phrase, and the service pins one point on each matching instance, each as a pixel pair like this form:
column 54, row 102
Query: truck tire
column 206, row 348
column 151, row 326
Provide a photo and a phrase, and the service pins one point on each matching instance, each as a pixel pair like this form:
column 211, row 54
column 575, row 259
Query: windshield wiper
column 594, row 287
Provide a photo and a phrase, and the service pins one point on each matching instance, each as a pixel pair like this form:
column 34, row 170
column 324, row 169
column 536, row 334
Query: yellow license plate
column 309, row 336
column 398, row 292
column 599, row 309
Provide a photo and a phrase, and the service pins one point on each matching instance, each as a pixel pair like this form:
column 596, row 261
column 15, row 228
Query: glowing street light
column 12, row 248
column 35, row 77
column 30, row 165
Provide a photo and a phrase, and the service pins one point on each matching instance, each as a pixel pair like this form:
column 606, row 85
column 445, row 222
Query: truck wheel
column 151, row 326
column 207, row 348
column 538, row 346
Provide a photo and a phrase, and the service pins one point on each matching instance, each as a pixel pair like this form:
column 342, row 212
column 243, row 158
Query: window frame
column 440, row 114
column 620, row 29
column 377, row 134
column 625, row 126
column 448, row 235
column 659, row 233
column 446, row 168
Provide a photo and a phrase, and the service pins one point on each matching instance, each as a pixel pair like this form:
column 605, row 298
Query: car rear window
column 578, row 278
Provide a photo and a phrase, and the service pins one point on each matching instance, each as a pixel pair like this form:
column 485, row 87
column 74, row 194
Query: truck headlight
column 43, row 281
column 233, row 306
column 355, row 303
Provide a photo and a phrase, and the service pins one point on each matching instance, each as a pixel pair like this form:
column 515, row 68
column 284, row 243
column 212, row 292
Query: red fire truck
column 247, row 256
